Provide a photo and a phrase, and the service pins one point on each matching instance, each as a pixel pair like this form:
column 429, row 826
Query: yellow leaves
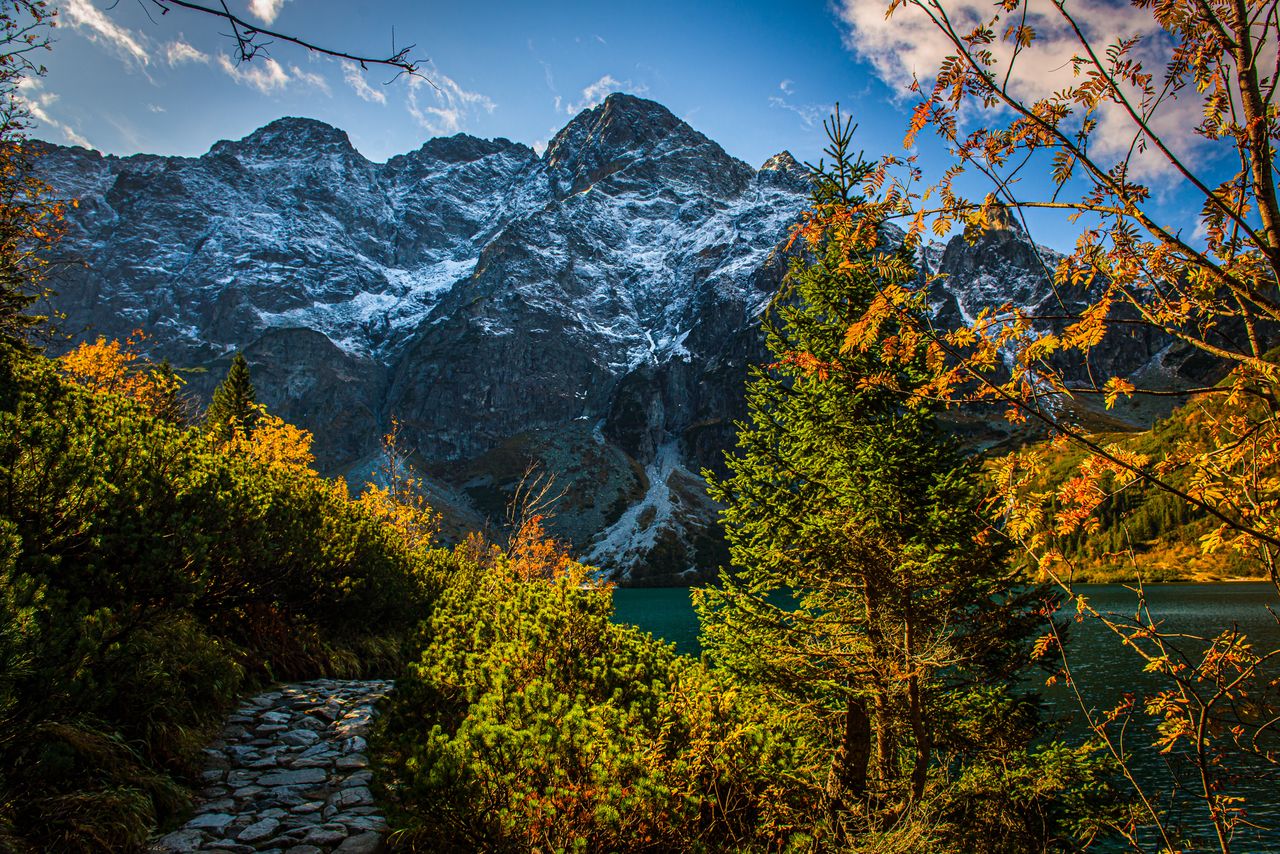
column 1115, row 387
column 808, row 364
column 865, row 331
column 273, row 442
column 110, row 367
column 1044, row 646
column 414, row 523
column 1090, row 329
column 534, row 555
column 400, row 502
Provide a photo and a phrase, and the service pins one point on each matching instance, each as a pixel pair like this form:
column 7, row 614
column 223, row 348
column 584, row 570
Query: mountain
column 594, row 308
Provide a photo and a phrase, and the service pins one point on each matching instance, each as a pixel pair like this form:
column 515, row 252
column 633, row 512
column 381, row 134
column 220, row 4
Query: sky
column 757, row 77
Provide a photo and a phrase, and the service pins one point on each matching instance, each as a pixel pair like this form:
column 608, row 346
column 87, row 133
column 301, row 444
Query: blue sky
column 757, row 78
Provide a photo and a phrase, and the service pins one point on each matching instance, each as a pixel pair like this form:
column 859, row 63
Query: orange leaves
column 109, row 367
column 272, row 442
column 1044, row 646
column 808, row 364
column 399, row 501
column 1115, row 387
column 863, row 334
column 533, row 554
column 1089, row 330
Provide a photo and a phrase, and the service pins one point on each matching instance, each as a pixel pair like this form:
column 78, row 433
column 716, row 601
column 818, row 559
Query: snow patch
column 624, row 543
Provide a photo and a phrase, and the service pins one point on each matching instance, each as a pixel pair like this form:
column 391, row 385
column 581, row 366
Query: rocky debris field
column 289, row 775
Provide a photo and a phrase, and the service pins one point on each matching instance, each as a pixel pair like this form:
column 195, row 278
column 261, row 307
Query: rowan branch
column 248, row 46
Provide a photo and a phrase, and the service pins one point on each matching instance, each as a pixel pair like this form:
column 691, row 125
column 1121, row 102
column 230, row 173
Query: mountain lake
column 1103, row 670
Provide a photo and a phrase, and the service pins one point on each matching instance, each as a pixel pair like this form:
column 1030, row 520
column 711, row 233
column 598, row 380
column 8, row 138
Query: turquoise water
column 1103, row 670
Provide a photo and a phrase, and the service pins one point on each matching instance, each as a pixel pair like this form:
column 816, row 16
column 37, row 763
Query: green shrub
column 532, row 721
column 148, row 572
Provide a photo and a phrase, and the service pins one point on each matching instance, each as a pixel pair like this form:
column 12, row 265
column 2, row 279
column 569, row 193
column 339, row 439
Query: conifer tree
column 234, row 403
column 867, row 596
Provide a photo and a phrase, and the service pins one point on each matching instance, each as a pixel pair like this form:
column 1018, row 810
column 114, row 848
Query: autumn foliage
column 1184, row 104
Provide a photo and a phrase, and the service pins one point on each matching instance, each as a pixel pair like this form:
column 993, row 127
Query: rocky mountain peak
column 783, row 161
column 464, row 148
column 623, row 131
column 1000, row 218
column 783, row 170
column 290, row 136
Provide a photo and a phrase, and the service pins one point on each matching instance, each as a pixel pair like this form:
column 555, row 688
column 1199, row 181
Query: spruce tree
column 234, row 403
column 866, row 595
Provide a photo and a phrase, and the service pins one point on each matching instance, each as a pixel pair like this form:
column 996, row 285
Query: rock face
column 594, row 308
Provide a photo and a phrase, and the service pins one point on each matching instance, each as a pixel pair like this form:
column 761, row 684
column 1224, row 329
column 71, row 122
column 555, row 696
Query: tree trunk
column 915, row 715
column 856, row 752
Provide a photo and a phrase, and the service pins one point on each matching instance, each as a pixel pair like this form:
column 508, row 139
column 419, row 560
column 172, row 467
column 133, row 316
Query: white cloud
column 32, row 96
column 451, row 107
column 179, row 52
column 908, row 44
column 811, row 115
column 788, row 87
column 75, row 138
column 265, row 75
column 354, row 76
column 155, row 108
column 596, row 92
column 265, row 11
column 83, row 15
column 310, row 78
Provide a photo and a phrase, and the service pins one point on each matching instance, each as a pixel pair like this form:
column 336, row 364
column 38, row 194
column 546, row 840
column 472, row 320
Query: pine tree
column 234, row 404
column 866, row 596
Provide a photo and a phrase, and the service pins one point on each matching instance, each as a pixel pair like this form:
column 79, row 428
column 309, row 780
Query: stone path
column 289, row 775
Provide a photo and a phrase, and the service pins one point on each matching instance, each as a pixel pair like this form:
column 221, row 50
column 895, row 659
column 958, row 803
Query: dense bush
column 532, row 722
column 147, row 570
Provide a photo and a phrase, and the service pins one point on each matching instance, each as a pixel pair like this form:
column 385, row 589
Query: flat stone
column 351, row 762
column 367, row 822
column 355, row 797
column 211, row 820
column 299, row 738
column 303, row 849
column 241, row 777
column 321, row 749
column 287, row 796
column 359, row 778
column 363, row 843
column 311, row 762
column 181, row 841
column 242, row 754
column 300, row 777
column 326, row 835
column 259, row 830
column 220, row 805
